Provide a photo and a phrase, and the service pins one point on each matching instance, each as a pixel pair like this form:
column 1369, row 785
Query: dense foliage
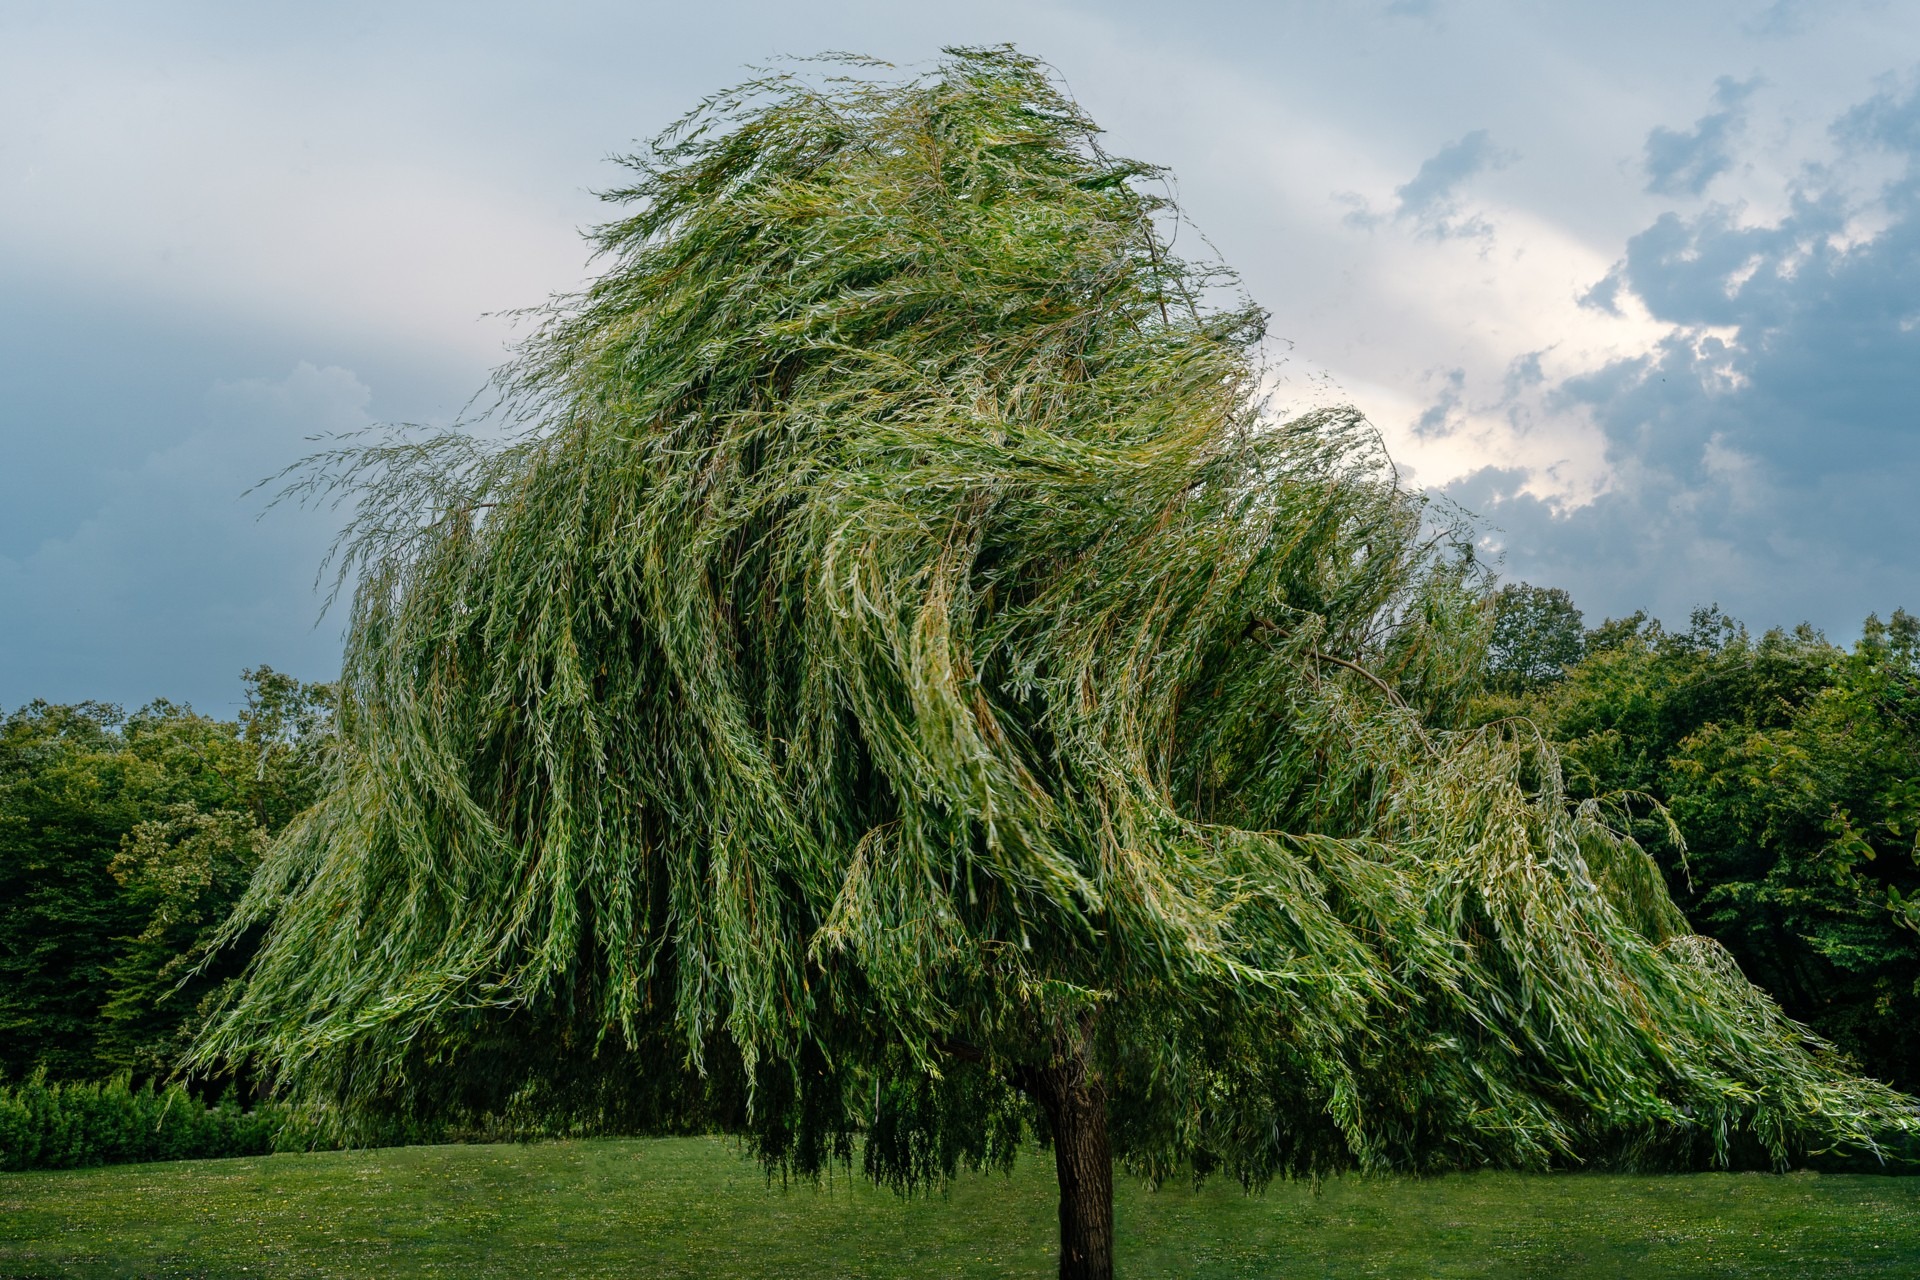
column 124, row 841
column 1537, row 635
column 1790, row 770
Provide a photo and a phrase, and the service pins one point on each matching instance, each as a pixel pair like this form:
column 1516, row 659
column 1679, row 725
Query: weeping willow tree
column 899, row 688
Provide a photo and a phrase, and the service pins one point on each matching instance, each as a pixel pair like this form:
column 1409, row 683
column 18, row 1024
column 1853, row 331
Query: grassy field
column 692, row 1207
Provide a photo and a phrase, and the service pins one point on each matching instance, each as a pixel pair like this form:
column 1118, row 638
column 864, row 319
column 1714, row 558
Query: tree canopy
column 900, row 678
column 1536, row 636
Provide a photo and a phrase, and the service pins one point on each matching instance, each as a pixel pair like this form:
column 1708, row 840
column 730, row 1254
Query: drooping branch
column 1393, row 697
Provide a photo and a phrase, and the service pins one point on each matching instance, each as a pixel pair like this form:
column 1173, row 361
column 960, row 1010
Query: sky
column 1636, row 285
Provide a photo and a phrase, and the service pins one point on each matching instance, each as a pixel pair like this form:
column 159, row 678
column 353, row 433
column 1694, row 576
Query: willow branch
column 1349, row 664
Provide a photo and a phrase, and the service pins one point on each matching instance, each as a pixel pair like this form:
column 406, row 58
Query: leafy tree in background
column 1537, row 635
column 899, row 679
column 124, row 839
column 180, row 875
column 63, row 810
column 1791, row 768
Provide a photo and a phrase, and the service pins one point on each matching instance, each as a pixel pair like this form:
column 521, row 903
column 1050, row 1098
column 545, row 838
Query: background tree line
column 1775, row 778
column 125, row 839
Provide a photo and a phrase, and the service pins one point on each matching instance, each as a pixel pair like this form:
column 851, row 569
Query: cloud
column 1430, row 199
column 259, row 199
column 1889, row 119
column 1683, row 163
column 1432, row 188
column 174, row 580
column 1437, row 419
column 1779, row 19
column 1766, row 449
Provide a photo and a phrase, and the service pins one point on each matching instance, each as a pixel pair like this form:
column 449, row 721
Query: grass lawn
column 693, row 1207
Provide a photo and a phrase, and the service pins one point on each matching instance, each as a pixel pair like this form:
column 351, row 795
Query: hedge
column 64, row 1126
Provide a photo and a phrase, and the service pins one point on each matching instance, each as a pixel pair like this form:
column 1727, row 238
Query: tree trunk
column 1076, row 1107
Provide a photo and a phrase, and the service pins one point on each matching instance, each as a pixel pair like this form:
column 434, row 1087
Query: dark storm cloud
column 175, row 566
column 1767, row 448
column 1683, row 162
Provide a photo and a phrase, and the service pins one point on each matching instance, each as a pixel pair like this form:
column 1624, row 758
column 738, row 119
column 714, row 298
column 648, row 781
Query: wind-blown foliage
column 899, row 657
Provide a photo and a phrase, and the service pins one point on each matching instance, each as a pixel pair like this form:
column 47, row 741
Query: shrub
column 70, row 1125
column 64, row 1126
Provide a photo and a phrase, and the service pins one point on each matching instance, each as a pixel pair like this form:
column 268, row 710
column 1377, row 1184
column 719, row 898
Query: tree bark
column 1076, row 1108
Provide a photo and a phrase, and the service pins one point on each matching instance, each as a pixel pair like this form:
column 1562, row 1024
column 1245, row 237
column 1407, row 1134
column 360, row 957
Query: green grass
column 692, row 1207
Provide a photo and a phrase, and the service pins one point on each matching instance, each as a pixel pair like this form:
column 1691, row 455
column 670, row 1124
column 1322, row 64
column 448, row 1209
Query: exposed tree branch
column 1350, row 665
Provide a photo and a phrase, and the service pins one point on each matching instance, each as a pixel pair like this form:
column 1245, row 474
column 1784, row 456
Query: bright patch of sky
column 1638, row 283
